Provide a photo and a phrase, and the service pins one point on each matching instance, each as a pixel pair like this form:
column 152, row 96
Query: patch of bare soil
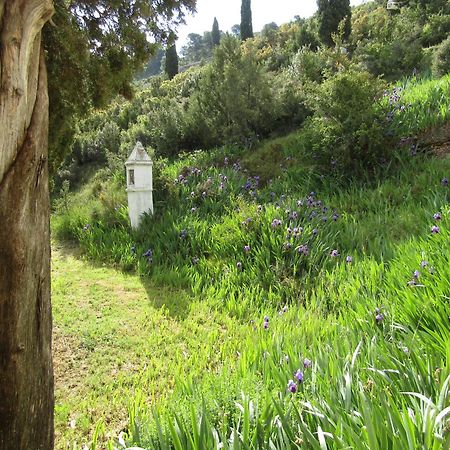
column 436, row 140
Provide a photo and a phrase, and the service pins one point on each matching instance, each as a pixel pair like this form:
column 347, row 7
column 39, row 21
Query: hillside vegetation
column 297, row 264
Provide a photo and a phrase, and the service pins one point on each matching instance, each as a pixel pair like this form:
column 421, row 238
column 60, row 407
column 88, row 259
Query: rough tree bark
column 26, row 374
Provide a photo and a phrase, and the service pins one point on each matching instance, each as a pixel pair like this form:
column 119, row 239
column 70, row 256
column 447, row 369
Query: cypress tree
column 246, row 20
column 331, row 13
column 171, row 66
column 215, row 33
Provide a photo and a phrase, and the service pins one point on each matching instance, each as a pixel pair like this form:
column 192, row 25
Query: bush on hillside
column 441, row 59
column 233, row 101
column 346, row 133
column 389, row 46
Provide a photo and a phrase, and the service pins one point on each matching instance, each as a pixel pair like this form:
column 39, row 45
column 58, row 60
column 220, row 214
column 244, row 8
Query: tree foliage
column 331, row 13
column 171, row 63
column 246, row 28
column 93, row 50
column 215, row 33
column 198, row 48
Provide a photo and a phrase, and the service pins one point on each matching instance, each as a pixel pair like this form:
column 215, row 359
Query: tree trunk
column 26, row 373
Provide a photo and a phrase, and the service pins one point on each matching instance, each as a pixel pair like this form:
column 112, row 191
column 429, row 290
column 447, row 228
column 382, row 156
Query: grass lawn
column 117, row 338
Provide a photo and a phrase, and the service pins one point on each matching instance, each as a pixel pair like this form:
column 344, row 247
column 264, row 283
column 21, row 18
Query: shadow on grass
column 176, row 302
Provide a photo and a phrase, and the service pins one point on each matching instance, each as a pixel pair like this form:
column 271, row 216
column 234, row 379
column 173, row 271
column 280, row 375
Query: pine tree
column 246, row 20
column 171, row 66
column 331, row 13
column 215, row 33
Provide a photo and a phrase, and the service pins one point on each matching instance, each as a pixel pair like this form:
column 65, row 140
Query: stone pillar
column 139, row 169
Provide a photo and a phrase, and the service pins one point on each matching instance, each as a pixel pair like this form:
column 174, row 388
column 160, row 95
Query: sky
column 228, row 13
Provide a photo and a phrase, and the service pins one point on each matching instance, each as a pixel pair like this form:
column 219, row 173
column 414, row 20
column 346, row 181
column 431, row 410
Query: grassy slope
column 360, row 371
column 117, row 337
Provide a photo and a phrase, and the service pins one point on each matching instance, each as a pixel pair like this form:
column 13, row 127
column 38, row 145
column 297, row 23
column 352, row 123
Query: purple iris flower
column 299, row 375
column 292, row 387
column 149, row 255
column 306, row 363
column 437, row 216
column 334, row 254
column 239, row 265
column 379, row 318
column 349, row 259
column 276, row 223
column 435, row 229
column 246, row 248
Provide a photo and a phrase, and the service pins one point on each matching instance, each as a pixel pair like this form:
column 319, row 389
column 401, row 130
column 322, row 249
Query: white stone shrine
column 393, row 5
column 139, row 169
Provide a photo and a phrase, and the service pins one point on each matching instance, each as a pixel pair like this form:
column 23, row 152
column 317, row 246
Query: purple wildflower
column 246, row 248
column 183, row 234
column 303, row 250
column 444, row 181
column 149, row 255
column 424, row 264
column 435, row 229
column 315, row 232
column 379, row 318
column 276, row 223
column 334, row 254
column 299, row 375
column 292, row 387
column 239, row 265
column 266, row 325
column 416, row 274
column 307, row 363
column 437, row 217
column 349, row 259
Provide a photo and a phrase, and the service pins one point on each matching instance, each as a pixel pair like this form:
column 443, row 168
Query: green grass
column 182, row 345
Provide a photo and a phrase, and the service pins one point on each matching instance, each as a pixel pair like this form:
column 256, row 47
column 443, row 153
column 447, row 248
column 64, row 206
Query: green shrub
column 233, row 101
column 346, row 133
column 441, row 59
